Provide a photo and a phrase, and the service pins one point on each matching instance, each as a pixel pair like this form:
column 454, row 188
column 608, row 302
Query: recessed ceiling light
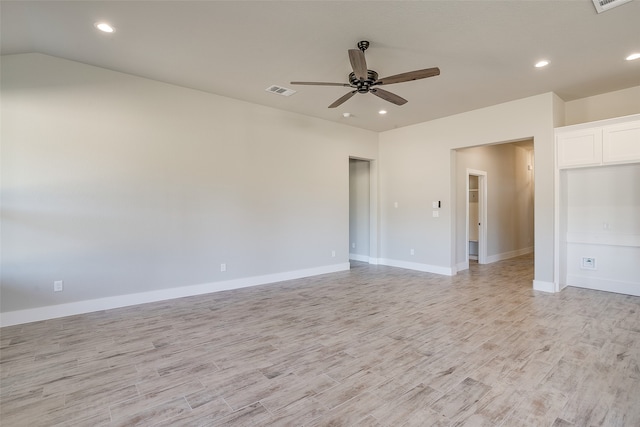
column 633, row 56
column 104, row 27
column 346, row 115
column 542, row 63
column 382, row 112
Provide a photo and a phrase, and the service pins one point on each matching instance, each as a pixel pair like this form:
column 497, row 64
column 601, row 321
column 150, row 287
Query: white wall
column 120, row 185
column 509, row 199
column 359, row 209
column 602, row 214
column 417, row 167
column 524, row 198
column 605, row 106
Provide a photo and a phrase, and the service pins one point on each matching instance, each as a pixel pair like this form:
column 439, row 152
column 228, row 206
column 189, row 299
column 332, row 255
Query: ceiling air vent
column 280, row 90
column 604, row 5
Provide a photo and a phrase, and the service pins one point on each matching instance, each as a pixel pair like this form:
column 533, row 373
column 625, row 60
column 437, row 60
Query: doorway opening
column 476, row 230
column 362, row 211
column 495, row 202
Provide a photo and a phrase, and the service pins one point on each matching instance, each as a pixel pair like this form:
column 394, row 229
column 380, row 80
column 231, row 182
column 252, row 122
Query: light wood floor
column 375, row 346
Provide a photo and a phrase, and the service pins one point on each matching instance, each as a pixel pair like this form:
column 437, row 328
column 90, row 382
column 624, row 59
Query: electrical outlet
column 333, row 254
column 223, row 267
column 436, row 214
column 412, row 252
column 353, row 245
column 58, row 286
column 588, row 263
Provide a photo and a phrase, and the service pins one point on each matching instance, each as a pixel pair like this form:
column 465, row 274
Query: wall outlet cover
column 588, row 263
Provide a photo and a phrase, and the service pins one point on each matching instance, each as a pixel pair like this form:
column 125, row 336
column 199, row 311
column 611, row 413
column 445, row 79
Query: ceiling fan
column 363, row 80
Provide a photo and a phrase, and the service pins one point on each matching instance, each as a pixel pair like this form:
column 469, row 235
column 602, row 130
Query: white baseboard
column 510, row 254
column 80, row 307
column 447, row 271
column 462, row 266
column 600, row 284
column 539, row 285
column 358, row 257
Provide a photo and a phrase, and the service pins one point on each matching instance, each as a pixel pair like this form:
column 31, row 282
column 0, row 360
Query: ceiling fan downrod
column 363, row 45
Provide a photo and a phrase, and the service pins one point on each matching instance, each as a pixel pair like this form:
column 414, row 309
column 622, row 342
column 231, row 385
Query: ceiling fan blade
column 321, row 84
column 388, row 96
column 411, row 75
column 358, row 63
column 342, row 99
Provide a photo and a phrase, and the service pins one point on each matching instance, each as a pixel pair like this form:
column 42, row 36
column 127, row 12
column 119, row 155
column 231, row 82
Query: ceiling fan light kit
column 363, row 80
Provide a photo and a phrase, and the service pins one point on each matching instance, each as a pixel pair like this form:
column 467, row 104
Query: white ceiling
column 484, row 49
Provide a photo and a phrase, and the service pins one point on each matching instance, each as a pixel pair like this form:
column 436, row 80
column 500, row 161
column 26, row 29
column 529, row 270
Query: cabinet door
column 621, row 143
column 579, row 148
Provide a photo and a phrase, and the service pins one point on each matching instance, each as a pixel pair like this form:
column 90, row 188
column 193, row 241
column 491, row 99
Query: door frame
column 482, row 215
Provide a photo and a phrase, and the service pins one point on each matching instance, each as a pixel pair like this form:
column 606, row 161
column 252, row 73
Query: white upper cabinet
column 605, row 142
column 621, row 143
column 579, row 148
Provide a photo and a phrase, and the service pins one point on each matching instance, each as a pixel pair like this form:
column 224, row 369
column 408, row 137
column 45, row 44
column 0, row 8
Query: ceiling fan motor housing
column 363, row 86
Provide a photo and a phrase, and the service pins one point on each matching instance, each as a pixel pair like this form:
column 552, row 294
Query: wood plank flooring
column 374, row 346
